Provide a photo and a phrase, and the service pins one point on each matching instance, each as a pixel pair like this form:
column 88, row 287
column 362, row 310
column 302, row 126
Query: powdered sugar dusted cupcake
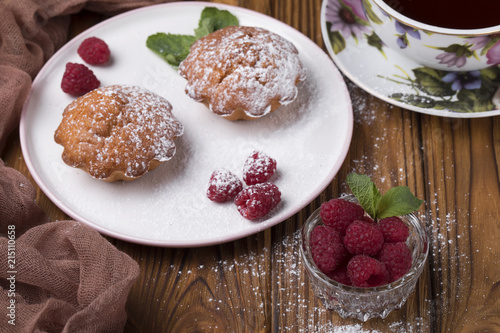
column 118, row 132
column 242, row 72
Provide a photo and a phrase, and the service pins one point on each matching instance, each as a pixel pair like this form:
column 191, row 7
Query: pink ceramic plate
column 168, row 207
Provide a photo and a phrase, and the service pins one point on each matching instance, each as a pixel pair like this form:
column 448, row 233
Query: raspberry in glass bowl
column 365, row 279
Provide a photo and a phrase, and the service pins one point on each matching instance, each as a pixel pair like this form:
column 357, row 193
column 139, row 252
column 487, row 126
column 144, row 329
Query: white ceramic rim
column 431, row 28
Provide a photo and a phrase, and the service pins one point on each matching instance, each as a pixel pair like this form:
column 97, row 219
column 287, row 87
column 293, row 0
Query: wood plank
column 258, row 283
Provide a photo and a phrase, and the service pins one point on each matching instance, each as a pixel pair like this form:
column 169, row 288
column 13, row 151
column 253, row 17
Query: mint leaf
column 172, row 48
column 213, row 19
column 175, row 48
column 365, row 191
column 397, row 201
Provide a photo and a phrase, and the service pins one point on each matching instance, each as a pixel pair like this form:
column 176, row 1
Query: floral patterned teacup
column 435, row 47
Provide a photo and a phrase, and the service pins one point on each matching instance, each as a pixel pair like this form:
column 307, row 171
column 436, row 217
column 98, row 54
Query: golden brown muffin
column 242, row 72
column 118, row 132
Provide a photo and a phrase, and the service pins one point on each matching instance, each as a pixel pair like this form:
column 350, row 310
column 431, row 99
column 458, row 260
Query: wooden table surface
column 258, row 284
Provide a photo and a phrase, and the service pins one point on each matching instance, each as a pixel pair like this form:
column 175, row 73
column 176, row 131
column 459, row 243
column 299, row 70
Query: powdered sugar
column 256, row 201
column 243, row 68
column 258, row 168
column 294, row 310
column 223, row 185
column 118, row 128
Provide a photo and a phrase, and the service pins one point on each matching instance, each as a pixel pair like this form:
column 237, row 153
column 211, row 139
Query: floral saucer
column 364, row 59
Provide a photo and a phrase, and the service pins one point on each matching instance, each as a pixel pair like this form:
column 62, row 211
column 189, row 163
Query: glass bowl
column 366, row 303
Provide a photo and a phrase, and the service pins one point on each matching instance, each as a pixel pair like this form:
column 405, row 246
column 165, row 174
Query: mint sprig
column 395, row 202
column 174, row 48
column 213, row 19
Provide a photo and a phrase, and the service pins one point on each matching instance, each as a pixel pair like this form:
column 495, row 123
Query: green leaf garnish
column 174, row 48
column 213, row 19
column 395, row 202
column 365, row 191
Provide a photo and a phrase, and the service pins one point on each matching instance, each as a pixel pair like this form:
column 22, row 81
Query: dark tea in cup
column 453, row 14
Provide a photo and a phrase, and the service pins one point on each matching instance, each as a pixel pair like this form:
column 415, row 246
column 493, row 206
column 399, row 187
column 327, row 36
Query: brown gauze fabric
column 54, row 276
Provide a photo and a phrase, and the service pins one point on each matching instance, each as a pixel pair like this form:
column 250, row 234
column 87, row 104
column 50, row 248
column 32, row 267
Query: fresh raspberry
column 365, row 271
column 94, row 51
column 368, row 219
column 397, row 259
column 326, row 248
column 257, row 200
column 258, row 168
column 78, row 79
column 363, row 238
column 339, row 213
column 340, row 275
column 394, row 229
column 223, row 186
